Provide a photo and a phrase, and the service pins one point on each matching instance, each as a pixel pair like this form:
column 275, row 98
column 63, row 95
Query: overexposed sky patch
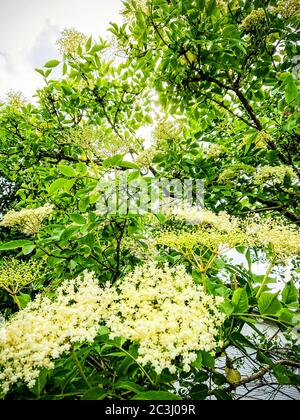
column 29, row 30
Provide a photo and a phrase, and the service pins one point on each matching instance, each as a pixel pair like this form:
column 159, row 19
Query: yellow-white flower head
column 70, row 40
column 16, row 274
column 45, row 329
column 28, row 221
column 164, row 311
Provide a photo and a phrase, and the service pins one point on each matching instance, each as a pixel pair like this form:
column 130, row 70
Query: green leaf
column 289, row 293
column 95, row 394
column 88, row 44
column 268, row 304
column 156, row 396
column 207, row 360
column 57, row 185
column 281, row 375
column 52, row 63
column 23, row 300
column 28, row 249
column 129, row 386
column 67, row 171
column 77, row 218
column 199, row 392
column 128, row 165
column 240, row 301
column 211, row 7
column 222, row 395
column 113, row 161
column 40, row 383
column 291, row 90
column 14, row 245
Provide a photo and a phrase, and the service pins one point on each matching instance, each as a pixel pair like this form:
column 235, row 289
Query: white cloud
column 29, row 29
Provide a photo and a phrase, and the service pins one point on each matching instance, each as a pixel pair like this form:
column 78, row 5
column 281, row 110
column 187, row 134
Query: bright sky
column 29, row 30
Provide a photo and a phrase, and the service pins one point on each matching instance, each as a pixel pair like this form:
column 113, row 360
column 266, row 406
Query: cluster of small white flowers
column 274, row 174
column 282, row 239
column 16, row 100
column 254, row 20
column 45, row 329
column 28, row 221
column 16, row 274
column 166, row 313
column 145, row 158
column 289, row 8
column 144, row 249
column 198, row 216
column 70, row 40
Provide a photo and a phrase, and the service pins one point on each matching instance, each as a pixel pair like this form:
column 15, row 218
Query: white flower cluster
column 70, row 41
column 274, row 174
column 197, row 216
column 45, row 329
column 28, row 221
column 254, row 21
column 166, row 313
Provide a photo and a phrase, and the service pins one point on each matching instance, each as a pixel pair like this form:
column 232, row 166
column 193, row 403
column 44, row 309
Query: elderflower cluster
column 198, row 216
column 274, row 174
column 142, row 249
column 96, row 142
column 254, row 21
column 46, row 329
column 15, row 100
column 70, row 40
column 289, row 8
column 283, row 240
column 263, row 139
column 233, row 173
column 218, row 233
column 145, row 158
column 216, row 150
column 166, row 313
column 16, row 274
column 28, row 221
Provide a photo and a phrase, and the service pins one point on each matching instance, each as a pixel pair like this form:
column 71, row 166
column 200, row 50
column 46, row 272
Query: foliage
column 216, row 82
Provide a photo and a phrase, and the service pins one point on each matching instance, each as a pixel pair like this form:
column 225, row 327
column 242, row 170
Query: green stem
column 262, row 317
column 80, row 369
column 265, row 280
column 140, row 366
column 17, row 302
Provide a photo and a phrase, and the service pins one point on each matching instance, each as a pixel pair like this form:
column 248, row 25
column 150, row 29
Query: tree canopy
column 162, row 304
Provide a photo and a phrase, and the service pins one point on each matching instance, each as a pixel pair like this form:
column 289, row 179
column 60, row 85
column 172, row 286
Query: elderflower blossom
column 16, row 274
column 46, row 329
column 254, row 20
column 217, row 233
column 141, row 249
column 233, row 173
column 283, row 240
column 145, row 158
column 166, row 313
column 16, row 100
column 289, row 8
column 28, row 221
column 70, row 41
column 274, row 174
